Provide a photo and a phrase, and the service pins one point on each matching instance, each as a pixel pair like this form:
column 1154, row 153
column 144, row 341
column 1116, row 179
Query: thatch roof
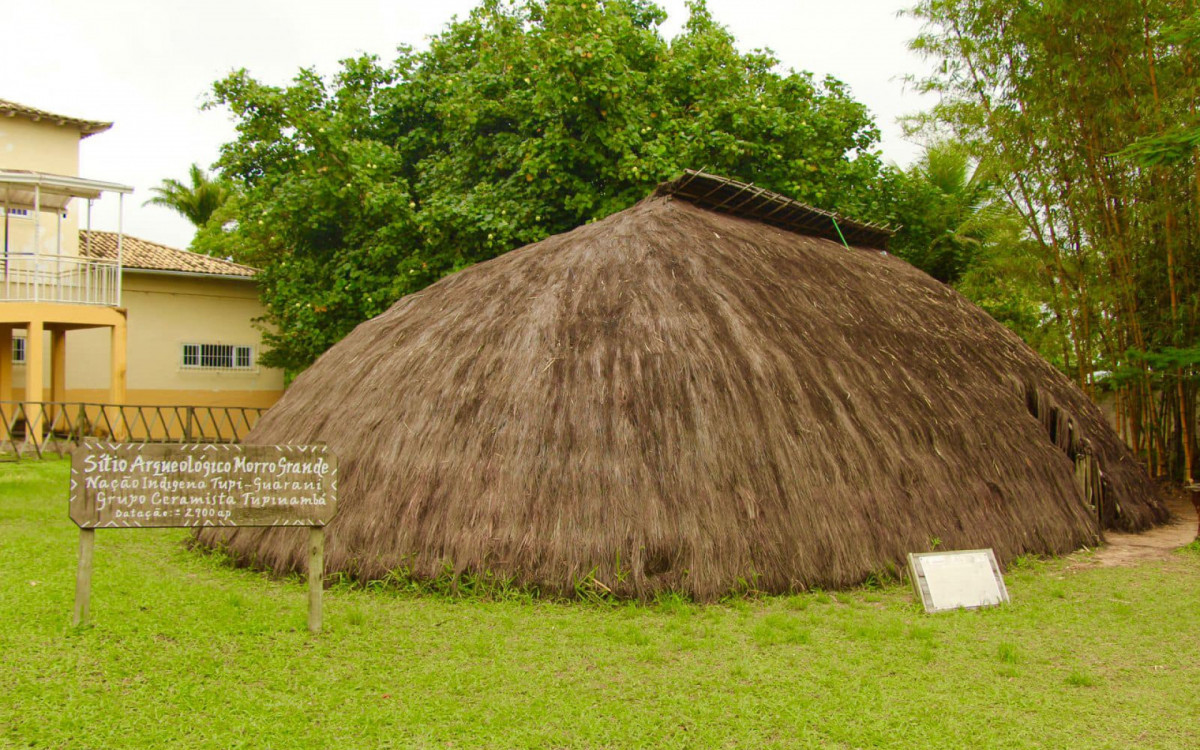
column 680, row 398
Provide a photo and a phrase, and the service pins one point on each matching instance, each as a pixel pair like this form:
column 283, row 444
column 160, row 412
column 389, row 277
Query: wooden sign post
column 132, row 485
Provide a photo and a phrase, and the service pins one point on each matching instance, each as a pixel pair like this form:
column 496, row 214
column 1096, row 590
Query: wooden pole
column 83, row 577
column 316, row 576
column 1194, row 490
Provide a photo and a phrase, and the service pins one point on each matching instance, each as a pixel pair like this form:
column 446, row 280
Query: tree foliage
column 957, row 226
column 948, row 208
column 196, row 202
column 1086, row 113
column 524, row 119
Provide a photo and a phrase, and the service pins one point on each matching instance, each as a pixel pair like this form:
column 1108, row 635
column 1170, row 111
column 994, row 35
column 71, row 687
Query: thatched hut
column 706, row 390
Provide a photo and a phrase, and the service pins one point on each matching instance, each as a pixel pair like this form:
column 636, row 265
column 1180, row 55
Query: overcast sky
column 148, row 64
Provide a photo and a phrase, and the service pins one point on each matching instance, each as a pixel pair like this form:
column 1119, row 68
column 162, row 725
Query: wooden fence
column 33, row 428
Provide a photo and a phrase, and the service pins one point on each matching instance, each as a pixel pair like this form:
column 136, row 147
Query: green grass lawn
column 187, row 652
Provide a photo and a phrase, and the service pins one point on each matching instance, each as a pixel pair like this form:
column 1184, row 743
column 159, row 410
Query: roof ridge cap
column 749, row 201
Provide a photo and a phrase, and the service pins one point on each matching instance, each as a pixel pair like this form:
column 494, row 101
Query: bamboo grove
column 1087, row 114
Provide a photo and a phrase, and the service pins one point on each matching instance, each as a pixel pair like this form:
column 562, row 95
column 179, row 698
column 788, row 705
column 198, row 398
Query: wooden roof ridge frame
column 749, row 201
column 86, row 127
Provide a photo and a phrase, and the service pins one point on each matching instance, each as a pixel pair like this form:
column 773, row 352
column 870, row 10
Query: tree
column 1084, row 111
column 946, row 206
column 196, row 202
column 957, row 227
column 523, row 120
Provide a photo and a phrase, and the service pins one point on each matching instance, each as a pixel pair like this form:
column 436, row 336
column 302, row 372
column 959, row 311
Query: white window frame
column 211, row 357
column 18, row 350
column 23, row 213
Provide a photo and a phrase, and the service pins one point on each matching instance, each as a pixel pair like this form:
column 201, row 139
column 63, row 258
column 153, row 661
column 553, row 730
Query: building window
column 217, row 357
column 18, row 352
column 23, row 213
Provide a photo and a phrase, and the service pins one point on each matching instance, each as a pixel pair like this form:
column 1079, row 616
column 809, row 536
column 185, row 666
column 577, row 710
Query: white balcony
column 66, row 279
column 38, row 263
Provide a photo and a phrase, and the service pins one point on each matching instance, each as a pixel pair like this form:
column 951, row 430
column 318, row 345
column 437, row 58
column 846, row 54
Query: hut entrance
column 1065, row 436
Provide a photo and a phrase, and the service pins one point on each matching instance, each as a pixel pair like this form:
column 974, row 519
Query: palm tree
column 956, row 207
column 196, row 202
column 959, row 228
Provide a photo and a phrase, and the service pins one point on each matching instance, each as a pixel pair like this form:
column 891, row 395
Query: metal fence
column 34, row 428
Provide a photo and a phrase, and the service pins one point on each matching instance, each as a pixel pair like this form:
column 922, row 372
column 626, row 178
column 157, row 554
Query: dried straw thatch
column 680, row 398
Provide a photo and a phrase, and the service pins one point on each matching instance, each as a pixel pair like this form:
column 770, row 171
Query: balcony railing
column 34, row 277
column 34, row 428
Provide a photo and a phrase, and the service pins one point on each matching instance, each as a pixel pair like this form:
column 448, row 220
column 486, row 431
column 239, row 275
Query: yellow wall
column 21, row 232
column 41, row 146
column 164, row 312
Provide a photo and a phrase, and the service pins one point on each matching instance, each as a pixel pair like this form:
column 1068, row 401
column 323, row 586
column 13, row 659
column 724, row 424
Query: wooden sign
column 962, row 579
column 135, row 485
column 117, row 485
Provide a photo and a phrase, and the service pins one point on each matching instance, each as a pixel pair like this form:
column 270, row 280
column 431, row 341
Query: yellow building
column 99, row 317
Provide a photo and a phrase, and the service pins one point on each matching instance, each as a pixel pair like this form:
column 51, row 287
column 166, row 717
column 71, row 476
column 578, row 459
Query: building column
column 33, row 381
column 58, row 371
column 116, row 383
column 6, row 373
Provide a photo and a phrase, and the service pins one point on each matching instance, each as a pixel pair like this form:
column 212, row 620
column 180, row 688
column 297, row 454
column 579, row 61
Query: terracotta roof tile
column 151, row 256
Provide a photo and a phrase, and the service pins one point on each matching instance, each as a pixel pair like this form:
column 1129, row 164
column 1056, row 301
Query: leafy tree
column 195, row 202
column 219, row 235
column 523, row 120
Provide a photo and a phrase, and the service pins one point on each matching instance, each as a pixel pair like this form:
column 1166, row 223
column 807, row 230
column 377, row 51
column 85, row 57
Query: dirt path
column 1155, row 544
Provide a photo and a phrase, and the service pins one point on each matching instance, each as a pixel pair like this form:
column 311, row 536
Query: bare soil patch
column 1155, row 544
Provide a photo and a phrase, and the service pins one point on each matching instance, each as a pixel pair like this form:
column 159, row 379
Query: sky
column 148, row 65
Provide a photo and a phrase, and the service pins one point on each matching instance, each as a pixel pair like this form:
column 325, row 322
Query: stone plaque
column 962, row 579
column 118, row 485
